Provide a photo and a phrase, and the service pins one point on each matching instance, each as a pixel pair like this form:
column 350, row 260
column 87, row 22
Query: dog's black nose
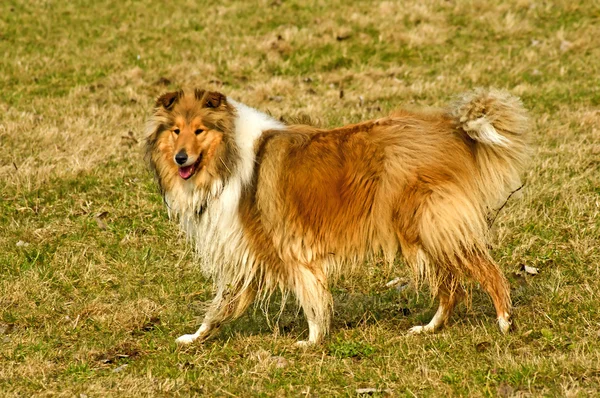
column 181, row 157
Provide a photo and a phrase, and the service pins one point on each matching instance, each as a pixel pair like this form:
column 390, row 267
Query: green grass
column 96, row 283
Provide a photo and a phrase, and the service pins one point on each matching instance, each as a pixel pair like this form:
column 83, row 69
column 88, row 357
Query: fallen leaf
column 393, row 282
column 371, row 391
column 483, row 346
column 529, row 270
column 343, row 36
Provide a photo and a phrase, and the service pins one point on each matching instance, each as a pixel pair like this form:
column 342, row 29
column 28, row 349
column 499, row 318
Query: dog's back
column 361, row 186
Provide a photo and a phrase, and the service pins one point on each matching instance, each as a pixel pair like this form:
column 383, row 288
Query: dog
column 273, row 206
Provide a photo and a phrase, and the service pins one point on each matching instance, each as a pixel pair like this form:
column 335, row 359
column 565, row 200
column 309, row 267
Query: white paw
column 186, row 339
column 420, row 329
column 504, row 324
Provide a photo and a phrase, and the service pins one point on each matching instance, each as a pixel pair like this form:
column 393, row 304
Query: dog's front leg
column 226, row 305
column 201, row 334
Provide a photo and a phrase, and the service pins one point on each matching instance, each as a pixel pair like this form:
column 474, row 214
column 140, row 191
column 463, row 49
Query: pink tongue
column 186, row 172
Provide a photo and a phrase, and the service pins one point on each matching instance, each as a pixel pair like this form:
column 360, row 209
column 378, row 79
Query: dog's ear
column 167, row 100
column 214, row 99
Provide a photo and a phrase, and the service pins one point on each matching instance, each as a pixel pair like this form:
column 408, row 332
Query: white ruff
column 223, row 251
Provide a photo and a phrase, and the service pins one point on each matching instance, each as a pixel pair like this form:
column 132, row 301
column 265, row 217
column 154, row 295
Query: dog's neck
column 249, row 126
column 214, row 225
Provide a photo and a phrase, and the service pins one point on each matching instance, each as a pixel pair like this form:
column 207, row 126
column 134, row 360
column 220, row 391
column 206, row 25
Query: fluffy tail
column 491, row 117
column 498, row 123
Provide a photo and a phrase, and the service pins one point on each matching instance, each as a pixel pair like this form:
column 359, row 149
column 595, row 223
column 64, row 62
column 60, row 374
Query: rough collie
column 291, row 207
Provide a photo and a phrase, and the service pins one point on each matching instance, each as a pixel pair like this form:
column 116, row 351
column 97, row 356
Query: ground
column 96, row 283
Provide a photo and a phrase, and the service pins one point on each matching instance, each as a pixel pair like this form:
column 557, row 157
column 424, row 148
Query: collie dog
column 274, row 206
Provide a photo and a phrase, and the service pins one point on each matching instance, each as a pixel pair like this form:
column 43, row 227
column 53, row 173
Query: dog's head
column 192, row 138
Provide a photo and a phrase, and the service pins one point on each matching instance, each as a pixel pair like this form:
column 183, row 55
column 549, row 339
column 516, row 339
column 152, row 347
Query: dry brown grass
column 102, row 279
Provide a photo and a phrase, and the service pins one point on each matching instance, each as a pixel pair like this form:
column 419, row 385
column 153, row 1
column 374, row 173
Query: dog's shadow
column 402, row 306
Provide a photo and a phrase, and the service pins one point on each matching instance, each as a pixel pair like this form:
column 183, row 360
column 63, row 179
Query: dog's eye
column 176, row 131
column 198, row 131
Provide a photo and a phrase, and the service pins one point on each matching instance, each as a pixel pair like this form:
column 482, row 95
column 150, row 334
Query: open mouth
column 187, row 172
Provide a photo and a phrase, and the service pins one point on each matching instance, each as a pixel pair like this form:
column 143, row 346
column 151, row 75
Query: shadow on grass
column 351, row 310
column 354, row 310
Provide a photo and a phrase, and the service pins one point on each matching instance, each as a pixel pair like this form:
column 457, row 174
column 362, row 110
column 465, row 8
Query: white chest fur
column 210, row 218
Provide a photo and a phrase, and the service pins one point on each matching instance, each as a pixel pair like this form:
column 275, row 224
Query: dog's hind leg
column 449, row 294
column 488, row 274
column 310, row 288
column 225, row 306
column 446, row 285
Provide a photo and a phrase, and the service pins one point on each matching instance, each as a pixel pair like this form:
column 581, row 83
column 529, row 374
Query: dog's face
column 191, row 130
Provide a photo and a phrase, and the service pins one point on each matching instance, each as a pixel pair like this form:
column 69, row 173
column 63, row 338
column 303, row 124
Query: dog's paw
column 504, row 323
column 186, row 339
column 420, row 330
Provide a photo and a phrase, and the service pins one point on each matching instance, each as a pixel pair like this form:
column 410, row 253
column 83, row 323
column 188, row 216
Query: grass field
column 96, row 283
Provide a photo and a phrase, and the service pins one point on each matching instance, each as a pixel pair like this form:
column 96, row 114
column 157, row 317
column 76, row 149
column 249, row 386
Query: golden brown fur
column 292, row 207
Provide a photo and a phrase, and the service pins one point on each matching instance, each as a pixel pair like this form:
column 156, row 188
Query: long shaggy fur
column 293, row 206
